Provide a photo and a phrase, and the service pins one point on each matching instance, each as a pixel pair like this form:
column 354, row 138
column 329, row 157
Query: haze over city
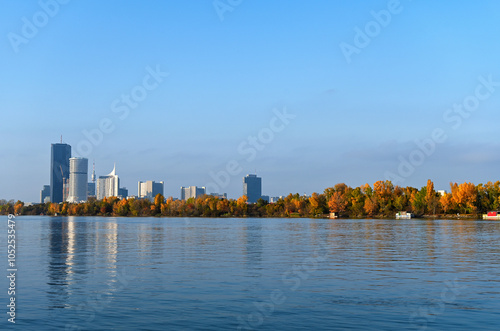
column 179, row 91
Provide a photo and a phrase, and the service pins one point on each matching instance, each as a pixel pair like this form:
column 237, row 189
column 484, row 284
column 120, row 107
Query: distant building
column 91, row 187
column 45, row 194
column 275, row 199
column 192, row 192
column 91, row 190
column 59, row 170
column 441, row 192
column 220, row 196
column 265, row 198
column 108, row 186
column 78, row 175
column 149, row 189
column 122, row 192
column 252, row 188
column 65, row 189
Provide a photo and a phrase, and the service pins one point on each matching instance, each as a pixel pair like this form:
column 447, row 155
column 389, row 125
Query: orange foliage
column 338, row 202
column 371, row 206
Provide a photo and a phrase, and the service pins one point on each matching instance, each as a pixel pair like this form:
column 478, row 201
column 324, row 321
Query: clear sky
column 360, row 87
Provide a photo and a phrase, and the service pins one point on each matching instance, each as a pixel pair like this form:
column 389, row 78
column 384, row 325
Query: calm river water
column 92, row 273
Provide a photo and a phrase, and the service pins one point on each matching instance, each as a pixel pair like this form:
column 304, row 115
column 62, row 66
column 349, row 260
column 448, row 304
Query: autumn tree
column 241, row 205
column 487, row 196
column 157, row 203
column 223, row 206
column 18, row 207
column 431, row 198
column 105, row 207
column 418, row 203
column 338, row 202
column 53, row 208
column 357, row 202
column 446, row 202
column 121, row 208
column 64, row 208
column 384, row 190
column 371, row 205
column 317, row 204
column 465, row 196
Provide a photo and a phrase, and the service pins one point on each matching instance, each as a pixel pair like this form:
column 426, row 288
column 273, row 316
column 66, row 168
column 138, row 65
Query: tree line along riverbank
column 381, row 200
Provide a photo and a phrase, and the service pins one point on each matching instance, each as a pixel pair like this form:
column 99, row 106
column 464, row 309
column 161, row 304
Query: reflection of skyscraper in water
column 65, row 266
column 110, row 245
column 107, row 248
column 253, row 241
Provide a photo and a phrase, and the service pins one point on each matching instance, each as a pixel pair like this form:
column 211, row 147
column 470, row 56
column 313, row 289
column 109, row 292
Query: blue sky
column 354, row 120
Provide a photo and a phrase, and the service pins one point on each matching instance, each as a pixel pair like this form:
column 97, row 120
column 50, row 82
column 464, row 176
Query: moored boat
column 403, row 215
column 492, row 215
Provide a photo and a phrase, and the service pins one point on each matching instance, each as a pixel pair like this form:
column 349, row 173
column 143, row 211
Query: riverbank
column 383, row 200
column 377, row 217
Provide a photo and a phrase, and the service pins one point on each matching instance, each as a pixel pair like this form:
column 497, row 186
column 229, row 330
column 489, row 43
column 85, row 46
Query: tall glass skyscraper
column 45, row 194
column 252, row 188
column 59, row 170
column 78, row 179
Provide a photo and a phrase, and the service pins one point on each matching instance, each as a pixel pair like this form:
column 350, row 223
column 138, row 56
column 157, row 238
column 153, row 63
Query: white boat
column 403, row 215
column 492, row 215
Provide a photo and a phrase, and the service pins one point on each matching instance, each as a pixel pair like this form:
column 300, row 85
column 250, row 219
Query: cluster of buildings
column 69, row 182
column 252, row 188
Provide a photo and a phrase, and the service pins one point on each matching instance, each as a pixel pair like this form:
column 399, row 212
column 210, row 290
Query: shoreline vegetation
column 382, row 200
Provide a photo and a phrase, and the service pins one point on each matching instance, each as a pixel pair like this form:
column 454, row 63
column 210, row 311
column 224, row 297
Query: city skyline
column 190, row 94
column 79, row 186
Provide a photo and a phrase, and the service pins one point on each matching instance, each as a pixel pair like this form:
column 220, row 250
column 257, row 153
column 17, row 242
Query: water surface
column 93, row 273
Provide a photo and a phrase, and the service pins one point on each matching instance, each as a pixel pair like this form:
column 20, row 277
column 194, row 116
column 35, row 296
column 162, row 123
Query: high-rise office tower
column 123, row 192
column 108, row 186
column 45, row 194
column 59, row 170
column 192, row 192
column 90, row 190
column 78, row 174
column 252, row 188
column 149, row 189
